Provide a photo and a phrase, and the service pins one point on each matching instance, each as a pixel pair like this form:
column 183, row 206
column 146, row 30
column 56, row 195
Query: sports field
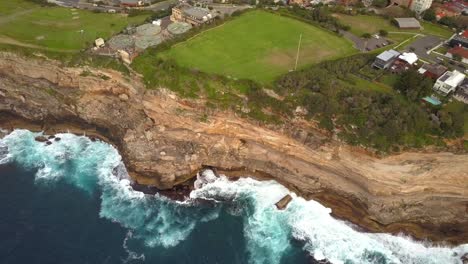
column 258, row 45
column 56, row 28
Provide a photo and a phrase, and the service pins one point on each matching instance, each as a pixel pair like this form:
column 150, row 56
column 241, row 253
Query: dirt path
column 9, row 18
column 7, row 40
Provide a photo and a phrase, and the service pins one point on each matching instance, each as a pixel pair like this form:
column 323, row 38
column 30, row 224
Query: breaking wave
column 96, row 168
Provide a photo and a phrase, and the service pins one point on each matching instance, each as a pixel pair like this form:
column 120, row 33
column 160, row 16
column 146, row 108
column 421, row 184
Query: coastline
column 163, row 148
column 344, row 208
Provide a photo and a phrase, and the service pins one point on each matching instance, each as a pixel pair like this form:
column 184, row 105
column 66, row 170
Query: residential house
column 460, row 40
column 191, row 14
column 460, row 51
column 385, row 59
column 433, row 71
column 408, row 23
column 299, row 2
column 404, row 62
column 462, row 92
column 131, row 3
column 451, row 9
column 448, row 82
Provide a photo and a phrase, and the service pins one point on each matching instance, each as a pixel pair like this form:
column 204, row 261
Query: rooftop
column 197, row 12
column 408, row 22
column 435, row 69
column 463, row 52
column 453, row 78
column 409, row 57
column 388, row 55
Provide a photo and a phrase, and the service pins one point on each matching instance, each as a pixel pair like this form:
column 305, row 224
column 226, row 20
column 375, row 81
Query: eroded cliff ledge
column 165, row 140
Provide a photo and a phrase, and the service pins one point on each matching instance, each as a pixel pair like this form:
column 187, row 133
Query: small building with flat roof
column 385, row 59
column 99, row 42
column 193, row 15
column 408, row 23
column 449, row 82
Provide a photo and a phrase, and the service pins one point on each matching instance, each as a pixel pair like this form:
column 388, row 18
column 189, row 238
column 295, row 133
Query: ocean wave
column 96, row 167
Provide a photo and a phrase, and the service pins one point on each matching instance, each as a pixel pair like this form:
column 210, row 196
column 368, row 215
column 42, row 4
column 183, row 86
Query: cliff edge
column 164, row 140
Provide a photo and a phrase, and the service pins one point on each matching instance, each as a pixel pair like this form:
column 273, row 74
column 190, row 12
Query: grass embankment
column 56, row 28
column 361, row 24
column 258, row 45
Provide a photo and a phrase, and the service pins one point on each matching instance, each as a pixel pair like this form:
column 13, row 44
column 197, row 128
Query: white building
column 448, row 82
column 420, row 6
column 410, row 57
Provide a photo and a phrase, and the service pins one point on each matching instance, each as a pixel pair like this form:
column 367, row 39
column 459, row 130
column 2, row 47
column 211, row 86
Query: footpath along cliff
column 165, row 140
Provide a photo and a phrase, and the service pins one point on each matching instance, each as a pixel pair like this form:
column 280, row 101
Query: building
column 460, row 51
column 385, row 59
column 131, row 3
column 448, row 82
column 420, row 6
column 192, row 15
column 451, row 9
column 408, row 23
column 433, row 71
column 99, row 42
column 462, row 92
column 460, row 40
column 409, row 57
column 299, row 2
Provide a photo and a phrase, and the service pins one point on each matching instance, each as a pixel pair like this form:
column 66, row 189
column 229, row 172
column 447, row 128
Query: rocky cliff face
column 165, row 140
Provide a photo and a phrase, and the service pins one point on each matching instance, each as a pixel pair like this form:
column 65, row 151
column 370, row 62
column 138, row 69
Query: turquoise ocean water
column 71, row 202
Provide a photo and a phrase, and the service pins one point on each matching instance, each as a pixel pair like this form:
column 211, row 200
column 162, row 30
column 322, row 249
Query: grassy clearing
column 58, row 28
column 11, row 7
column 362, row 84
column 456, row 106
column 258, row 45
column 361, row 24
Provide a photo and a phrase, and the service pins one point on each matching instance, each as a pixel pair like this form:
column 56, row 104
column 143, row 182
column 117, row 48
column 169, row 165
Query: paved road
column 424, row 44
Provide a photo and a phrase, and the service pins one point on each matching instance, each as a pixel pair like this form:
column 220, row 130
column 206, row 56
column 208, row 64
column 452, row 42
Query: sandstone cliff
column 165, row 140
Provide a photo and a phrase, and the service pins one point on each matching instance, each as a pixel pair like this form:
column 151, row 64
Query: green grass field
column 56, row 28
column 361, row 24
column 258, row 45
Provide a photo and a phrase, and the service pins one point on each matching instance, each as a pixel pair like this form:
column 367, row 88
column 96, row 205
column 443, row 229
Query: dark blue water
column 60, row 224
column 71, row 202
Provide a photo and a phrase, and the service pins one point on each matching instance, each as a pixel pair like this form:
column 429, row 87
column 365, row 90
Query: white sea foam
column 160, row 222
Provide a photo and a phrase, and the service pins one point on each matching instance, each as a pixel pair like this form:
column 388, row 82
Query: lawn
column 258, row 45
column 365, row 85
column 456, row 106
column 57, row 28
column 361, row 24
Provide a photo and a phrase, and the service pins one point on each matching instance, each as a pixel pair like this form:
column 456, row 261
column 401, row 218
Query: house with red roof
column 460, row 51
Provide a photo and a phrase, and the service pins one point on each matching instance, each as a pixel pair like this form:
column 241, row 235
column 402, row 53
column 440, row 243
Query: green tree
column 383, row 32
column 366, row 35
column 380, row 3
column 413, row 85
column 430, row 15
column 457, row 57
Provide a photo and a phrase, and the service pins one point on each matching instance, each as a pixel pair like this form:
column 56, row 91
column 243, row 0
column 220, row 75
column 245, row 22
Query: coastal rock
column 283, row 203
column 41, row 139
column 421, row 194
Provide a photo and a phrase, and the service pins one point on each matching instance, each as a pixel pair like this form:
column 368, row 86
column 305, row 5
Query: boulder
column 283, row 203
column 40, row 139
